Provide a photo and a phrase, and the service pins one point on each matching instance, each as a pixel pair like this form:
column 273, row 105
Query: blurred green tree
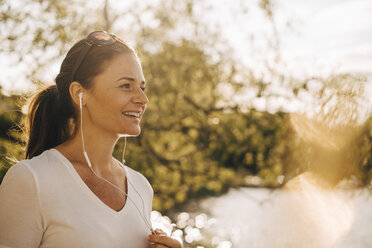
column 10, row 131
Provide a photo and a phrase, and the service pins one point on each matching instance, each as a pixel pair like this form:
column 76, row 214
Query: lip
column 136, row 111
column 137, row 119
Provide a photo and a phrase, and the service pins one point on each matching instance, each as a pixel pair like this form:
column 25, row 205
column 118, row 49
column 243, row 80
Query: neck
column 99, row 146
column 99, row 150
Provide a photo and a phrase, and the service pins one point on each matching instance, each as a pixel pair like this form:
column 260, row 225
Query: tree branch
column 209, row 110
column 106, row 16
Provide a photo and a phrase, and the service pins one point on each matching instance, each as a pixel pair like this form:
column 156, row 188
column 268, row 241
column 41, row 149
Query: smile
column 132, row 114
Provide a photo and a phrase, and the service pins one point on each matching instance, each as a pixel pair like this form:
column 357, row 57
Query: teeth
column 136, row 114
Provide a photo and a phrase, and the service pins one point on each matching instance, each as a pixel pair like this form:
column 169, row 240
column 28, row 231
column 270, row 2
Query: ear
column 75, row 89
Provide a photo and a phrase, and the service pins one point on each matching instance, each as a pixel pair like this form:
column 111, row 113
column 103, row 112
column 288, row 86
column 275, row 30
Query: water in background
column 265, row 218
column 261, row 218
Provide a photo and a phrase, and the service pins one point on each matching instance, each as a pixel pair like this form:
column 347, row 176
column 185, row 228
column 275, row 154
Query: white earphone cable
column 125, row 146
column 123, row 161
column 128, row 197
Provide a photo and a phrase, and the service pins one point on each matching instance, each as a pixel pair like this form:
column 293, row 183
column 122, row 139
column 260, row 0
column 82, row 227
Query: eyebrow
column 130, row 79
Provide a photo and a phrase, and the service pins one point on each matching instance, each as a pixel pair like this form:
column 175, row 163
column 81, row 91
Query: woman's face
column 117, row 101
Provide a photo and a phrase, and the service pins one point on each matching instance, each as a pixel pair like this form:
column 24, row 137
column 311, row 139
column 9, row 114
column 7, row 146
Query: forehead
column 122, row 65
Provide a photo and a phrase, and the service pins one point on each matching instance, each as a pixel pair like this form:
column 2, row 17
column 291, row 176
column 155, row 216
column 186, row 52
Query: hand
column 160, row 240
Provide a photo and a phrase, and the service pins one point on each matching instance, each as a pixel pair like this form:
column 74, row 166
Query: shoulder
column 46, row 165
column 31, row 170
column 138, row 180
column 19, row 185
column 25, row 172
column 19, row 174
column 39, row 162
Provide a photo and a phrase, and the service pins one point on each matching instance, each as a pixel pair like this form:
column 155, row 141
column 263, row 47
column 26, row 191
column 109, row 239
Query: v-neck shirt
column 45, row 203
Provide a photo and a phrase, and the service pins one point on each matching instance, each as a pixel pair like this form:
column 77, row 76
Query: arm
column 21, row 222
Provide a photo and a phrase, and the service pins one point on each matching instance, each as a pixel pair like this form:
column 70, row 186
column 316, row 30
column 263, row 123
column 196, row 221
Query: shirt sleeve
column 21, row 223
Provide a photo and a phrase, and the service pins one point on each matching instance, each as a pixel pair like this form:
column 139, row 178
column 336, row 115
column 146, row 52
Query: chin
column 132, row 133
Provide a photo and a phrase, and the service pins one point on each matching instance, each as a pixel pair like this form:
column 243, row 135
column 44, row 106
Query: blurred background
column 258, row 132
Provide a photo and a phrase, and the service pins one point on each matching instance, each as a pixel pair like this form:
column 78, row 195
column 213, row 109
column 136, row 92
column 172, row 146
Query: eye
column 126, row 85
column 143, row 88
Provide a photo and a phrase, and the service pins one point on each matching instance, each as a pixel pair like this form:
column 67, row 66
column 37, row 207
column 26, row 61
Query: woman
column 70, row 191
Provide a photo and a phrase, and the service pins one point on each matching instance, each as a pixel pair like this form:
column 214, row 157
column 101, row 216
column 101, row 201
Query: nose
column 141, row 97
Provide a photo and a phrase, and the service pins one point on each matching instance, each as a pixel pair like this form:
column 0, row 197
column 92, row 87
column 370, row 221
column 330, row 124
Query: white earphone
column 81, row 129
column 81, row 100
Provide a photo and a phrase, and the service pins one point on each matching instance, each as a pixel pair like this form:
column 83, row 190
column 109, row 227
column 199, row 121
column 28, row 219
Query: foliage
column 10, row 136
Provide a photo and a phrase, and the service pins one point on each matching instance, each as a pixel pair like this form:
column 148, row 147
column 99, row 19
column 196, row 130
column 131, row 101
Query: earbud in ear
column 81, row 99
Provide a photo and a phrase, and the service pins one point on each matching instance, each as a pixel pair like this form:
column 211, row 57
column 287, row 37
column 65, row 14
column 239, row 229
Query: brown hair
column 51, row 109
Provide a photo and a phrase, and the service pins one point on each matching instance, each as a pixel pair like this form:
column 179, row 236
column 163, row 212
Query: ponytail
column 47, row 122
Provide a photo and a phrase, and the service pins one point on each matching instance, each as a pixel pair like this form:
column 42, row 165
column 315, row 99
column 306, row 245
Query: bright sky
column 317, row 37
column 324, row 36
column 334, row 32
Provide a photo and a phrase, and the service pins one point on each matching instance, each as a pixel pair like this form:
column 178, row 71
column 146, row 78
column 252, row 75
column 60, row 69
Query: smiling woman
column 70, row 191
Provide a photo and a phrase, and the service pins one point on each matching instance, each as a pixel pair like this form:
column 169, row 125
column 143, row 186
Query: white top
column 45, row 203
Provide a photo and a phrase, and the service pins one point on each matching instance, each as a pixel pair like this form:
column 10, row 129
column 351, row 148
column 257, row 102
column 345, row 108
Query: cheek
column 106, row 107
column 111, row 106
